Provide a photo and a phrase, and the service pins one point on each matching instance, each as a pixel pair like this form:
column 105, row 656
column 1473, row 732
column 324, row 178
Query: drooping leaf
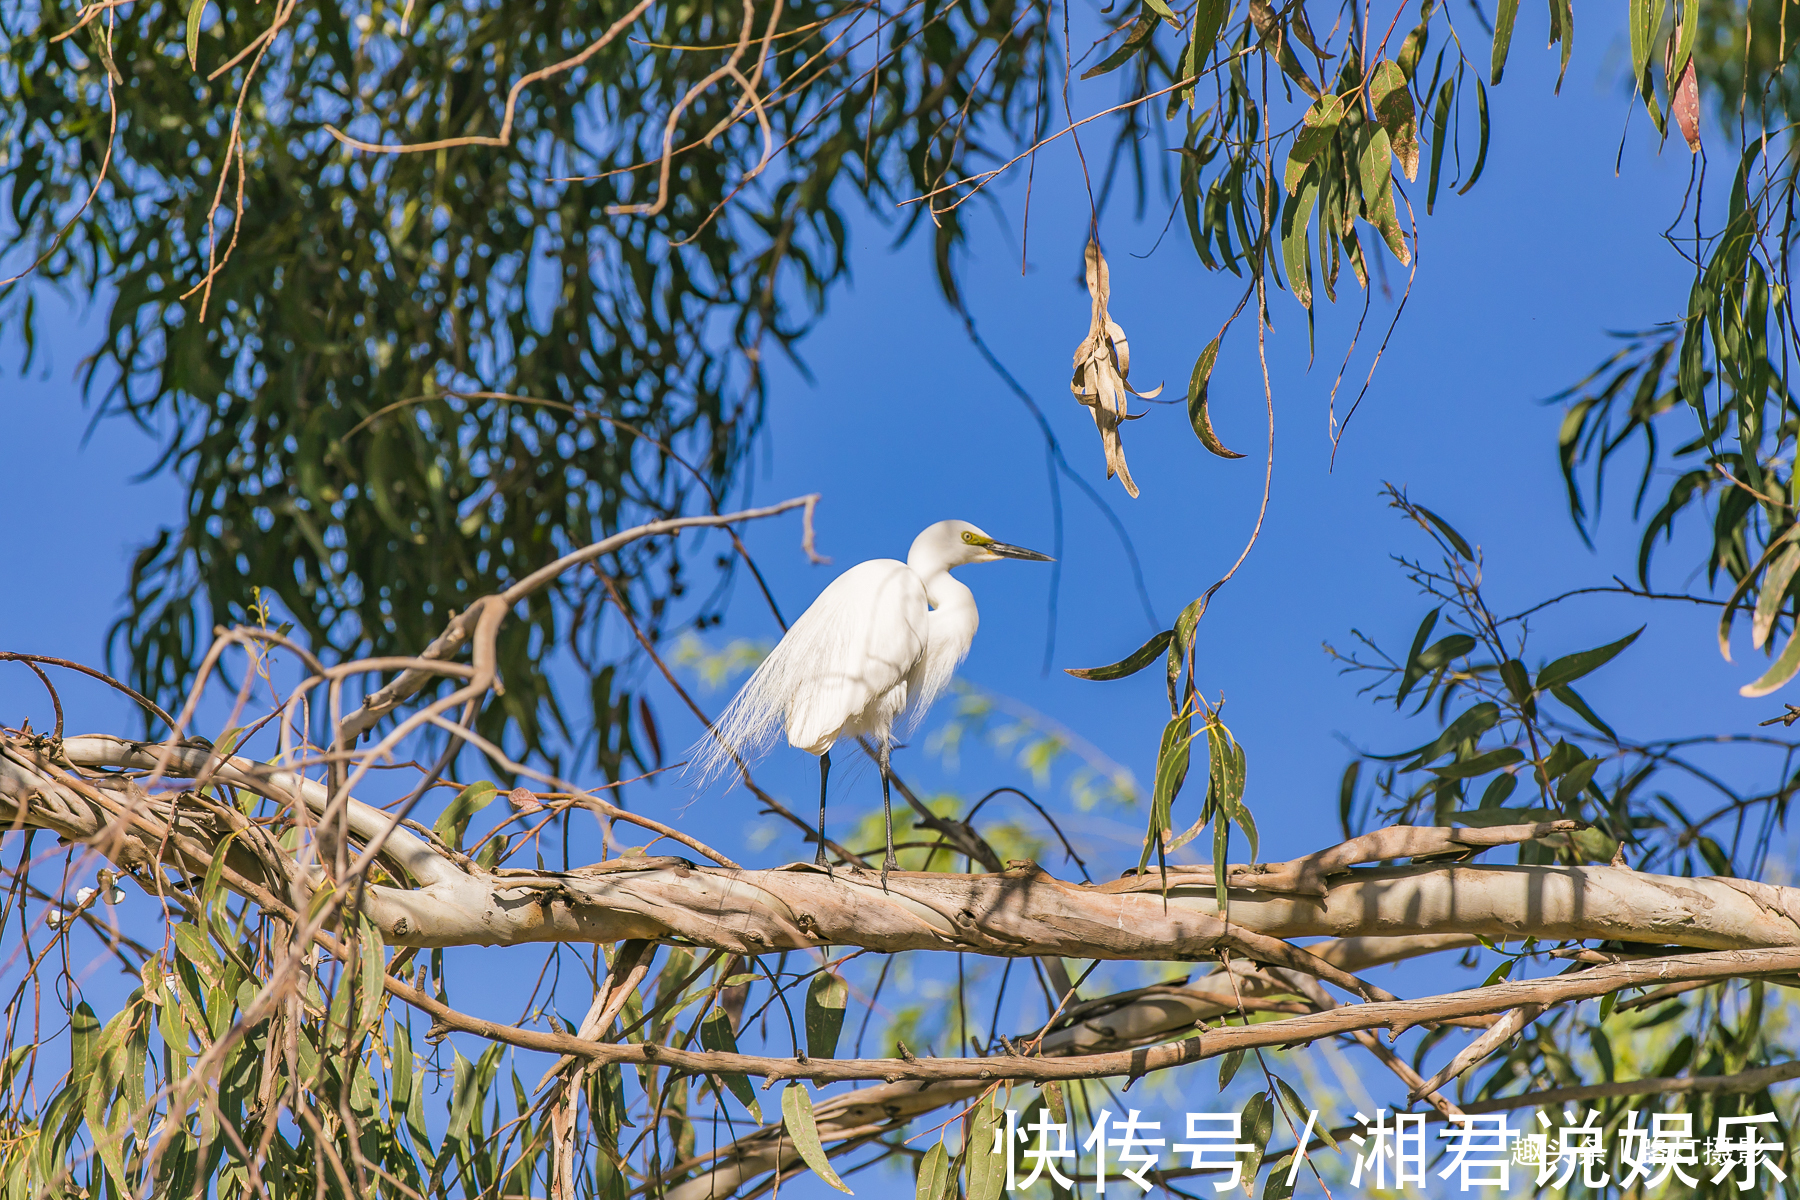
column 84, row 1033
column 934, row 1175
column 1317, row 128
column 196, row 8
column 1198, row 416
column 1440, row 131
column 1209, row 18
column 1570, row 697
column 1256, row 1123
column 1228, row 1067
column 1171, row 773
column 1134, row 41
column 1378, row 190
column 1347, row 795
column 1562, row 29
column 1504, row 18
column 716, row 1035
column 987, row 1169
column 797, row 1117
column 1643, row 17
column 1412, row 49
column 1779, row 672
column 1394, row 109
column 1413, row 672
column 825, row 1000
column 1774, row 590
column 1131, row 664
column 1481, row 118
column 1518, row 684
column 1296, row 249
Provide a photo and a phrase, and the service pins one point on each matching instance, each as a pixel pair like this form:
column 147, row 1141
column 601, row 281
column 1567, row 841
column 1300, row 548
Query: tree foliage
column 420, row 300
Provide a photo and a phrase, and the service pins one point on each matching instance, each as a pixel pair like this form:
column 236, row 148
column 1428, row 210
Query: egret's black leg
column 887, row 816
column 824, row 774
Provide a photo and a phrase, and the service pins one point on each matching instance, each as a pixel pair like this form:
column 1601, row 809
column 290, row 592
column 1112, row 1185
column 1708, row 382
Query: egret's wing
column 848, row 651
column 851, row 650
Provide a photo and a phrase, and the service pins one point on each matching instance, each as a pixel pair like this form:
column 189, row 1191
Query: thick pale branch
column 1013, row 914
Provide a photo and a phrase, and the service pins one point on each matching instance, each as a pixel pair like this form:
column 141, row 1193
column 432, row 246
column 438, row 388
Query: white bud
column 115, row 894
column 55, row 919
column 84, row 895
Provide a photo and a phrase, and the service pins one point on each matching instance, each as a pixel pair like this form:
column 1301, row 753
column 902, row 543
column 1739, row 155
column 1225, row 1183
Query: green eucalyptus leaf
column 1394, row 109
column 716, row 1035
column 1228, row 1067
column 1571, row 667
column 1198, row 415
column 1779, row 672
column 1774, row 590
column 1131, row 664
column 797, row 1117
column 1504, row 18
column 986, row 1169
column 825, row 1001
column 455, row 818
column 1134, row 41
column 1468, row 727
column 1572, row 698
column 935, row 1180
column 1481, row 764
column 1440, row 132
column 1481, row 117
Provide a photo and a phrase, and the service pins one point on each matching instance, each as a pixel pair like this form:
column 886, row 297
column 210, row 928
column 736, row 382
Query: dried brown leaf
column 1102, row 364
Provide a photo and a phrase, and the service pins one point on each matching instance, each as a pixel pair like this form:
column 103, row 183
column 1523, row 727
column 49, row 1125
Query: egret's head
column 957, row 543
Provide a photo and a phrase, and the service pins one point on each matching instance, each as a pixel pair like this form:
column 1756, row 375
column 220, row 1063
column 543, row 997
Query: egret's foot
column 888, row 864
column 820, row 862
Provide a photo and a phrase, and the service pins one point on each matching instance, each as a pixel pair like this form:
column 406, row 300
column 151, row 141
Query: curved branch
column 462, row 628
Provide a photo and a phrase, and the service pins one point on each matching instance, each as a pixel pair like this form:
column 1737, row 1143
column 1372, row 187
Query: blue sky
column 901, row 423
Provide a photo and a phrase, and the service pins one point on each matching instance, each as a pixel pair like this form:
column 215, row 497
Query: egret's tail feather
column 743, row 731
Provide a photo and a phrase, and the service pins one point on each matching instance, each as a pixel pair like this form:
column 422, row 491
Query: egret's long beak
column 1006, row 551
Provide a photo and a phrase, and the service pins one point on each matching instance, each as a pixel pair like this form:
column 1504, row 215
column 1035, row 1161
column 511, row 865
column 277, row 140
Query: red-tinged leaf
column 1686, row 107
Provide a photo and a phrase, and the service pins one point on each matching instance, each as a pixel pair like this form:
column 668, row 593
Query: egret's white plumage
column 871, row 654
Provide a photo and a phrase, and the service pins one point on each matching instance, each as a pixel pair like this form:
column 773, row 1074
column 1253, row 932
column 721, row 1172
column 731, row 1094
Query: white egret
column 879, row 644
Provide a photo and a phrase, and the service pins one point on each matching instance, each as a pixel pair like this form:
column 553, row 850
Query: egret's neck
column 941, row 589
